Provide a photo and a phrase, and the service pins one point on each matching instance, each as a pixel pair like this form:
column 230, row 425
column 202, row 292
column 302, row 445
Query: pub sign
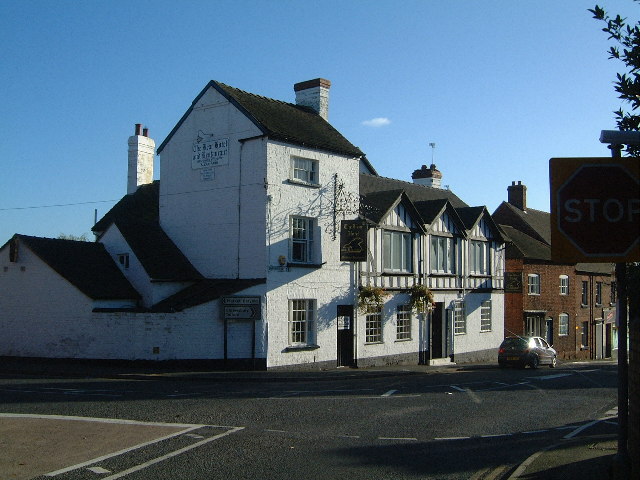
column 353, row 241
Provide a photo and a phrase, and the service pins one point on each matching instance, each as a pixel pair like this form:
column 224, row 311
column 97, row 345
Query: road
column 471, row 422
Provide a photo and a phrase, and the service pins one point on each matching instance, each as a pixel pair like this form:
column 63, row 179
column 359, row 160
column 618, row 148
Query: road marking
column 550, row 377
column 580, row 429
column 389, row 393
column 175, row 453
column 534, row 431
column 412, row 439
column 455, row 387
column 452, row 438
column 497, row 435
column 99, row 470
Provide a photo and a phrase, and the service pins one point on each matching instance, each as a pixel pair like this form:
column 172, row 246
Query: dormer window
column 123, row 260
column 304, row 170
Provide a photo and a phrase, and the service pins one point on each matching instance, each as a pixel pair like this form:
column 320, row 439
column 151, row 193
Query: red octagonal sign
column 595, row 210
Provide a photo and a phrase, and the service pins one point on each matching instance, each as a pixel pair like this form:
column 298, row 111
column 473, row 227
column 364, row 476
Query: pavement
column 581, row 457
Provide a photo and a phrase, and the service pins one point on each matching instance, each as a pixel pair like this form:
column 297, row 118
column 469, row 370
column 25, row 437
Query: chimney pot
column 138, row 130
column 145, row 132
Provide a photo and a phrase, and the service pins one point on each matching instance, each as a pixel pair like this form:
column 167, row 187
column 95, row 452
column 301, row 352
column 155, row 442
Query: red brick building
column 571, row 305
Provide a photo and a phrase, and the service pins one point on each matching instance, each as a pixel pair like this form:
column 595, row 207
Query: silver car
column 523, row 351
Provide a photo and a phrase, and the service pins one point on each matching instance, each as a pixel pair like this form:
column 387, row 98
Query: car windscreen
column 515, row 342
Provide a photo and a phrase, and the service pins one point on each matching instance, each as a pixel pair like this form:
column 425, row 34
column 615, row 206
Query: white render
column 228, row 208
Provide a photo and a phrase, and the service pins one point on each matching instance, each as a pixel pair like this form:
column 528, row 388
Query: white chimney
column 141, row 154
column 429, row 177
column 314, row 94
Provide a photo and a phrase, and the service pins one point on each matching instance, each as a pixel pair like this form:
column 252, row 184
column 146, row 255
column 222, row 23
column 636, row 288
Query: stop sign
column 595, row 209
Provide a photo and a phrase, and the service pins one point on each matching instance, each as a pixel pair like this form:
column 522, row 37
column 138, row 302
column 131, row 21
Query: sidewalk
column 585, row 458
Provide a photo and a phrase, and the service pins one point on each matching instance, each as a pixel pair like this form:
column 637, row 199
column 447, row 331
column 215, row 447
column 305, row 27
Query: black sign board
column 353, row 241
column 512, row 282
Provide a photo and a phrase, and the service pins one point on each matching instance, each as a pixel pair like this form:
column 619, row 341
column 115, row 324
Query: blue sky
column 500, row 86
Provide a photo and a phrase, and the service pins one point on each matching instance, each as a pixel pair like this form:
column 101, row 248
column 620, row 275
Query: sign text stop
column 595, row 209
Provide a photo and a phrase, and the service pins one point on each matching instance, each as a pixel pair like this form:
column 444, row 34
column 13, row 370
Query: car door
column 545, row 350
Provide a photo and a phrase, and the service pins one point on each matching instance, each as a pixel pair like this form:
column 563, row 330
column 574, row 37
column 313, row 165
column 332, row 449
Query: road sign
column 595, row 209
column 241, row 308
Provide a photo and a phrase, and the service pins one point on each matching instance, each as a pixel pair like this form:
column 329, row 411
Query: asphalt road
column 475, row 422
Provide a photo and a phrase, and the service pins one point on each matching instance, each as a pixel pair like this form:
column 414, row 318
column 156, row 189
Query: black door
column 345, row 336
column 438, row 331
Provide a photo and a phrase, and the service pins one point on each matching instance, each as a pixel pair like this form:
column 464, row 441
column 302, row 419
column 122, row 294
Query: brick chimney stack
column 314, row 94
column 517, row 195
column 141, row 155
column 429, row 177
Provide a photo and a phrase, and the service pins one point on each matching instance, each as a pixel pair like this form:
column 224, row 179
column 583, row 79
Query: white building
column 234, row 255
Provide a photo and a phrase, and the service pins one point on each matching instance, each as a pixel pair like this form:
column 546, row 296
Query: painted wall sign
column 209, row 152
column 353, row 241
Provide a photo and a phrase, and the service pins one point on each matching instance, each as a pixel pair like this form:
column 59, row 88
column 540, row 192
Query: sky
column 499, row 86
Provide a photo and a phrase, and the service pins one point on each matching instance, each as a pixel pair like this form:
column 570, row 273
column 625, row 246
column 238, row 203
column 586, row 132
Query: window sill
column 374, row 343
column 301, row 348
column 486, row 331
column 584, row 306
column 403, row 340
column 397, row 274
column 533, row 294
column 443, row 274
column 304, row 265
column 301, row 183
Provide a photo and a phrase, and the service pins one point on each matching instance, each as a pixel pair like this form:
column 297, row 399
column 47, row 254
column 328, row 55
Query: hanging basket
column 371, row 296
column 420, row 296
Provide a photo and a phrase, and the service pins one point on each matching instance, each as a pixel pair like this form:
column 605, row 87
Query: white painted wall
column 215, row 214
column 331, row 284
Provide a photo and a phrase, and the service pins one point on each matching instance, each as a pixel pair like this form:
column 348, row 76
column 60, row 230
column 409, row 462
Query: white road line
column 389, row 393
column 497, row 435
column 455, row 387
column 175, row 453
column 580, row 429
column 99, row 470
column 534, row 431
column 452, row 438
column 107, row 420
column 412, row 439
column 551, row 377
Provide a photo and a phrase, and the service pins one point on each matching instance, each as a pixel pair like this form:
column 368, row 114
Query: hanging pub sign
column 353, row 241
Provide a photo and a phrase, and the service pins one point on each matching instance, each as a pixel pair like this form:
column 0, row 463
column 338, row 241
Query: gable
column 399, row 218
column 446, row 224
column 278, row 120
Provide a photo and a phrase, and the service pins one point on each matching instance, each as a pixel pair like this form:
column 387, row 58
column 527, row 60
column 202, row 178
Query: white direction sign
column 241, row 308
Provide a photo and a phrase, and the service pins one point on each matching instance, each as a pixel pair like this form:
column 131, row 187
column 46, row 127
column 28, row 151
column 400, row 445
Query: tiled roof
column 86, row 265
column 139, row 207
column 525, row 245
column 415, row 192
column 204, row 291
column 535, row 223
column 160, row 257
column 279, row 120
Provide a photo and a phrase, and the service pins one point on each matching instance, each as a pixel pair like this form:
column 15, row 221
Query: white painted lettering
column 575, row 211
column 606, row 210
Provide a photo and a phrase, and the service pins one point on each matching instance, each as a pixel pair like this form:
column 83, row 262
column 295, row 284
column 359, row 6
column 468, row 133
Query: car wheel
column 534, row 362
column 554, row 362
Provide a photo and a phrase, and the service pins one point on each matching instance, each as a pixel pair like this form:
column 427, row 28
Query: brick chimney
column 141, row 155
column 314, row 94
column 429, row 177
column 517, row 195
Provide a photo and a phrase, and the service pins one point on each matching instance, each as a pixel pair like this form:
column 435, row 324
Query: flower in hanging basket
column 419, row 297
column 371, row 296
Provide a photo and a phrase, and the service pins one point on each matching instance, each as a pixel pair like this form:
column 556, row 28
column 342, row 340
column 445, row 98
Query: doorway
column 438, row 331
column 345, row 336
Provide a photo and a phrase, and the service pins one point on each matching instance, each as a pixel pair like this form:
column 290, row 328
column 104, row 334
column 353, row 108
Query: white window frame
column 486, row 323
column 564, row 284
column 598, row 300
column 304, row 170
column 459, row 318
column 403, row 322
column 533, row 284
column 563, row 324
column 301, row 248
column 373, row 324
column 302, row 315
column 397, row 251
column 479, row 257
column 443, row 254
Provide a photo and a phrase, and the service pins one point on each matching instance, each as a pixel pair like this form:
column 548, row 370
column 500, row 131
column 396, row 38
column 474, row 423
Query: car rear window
column 515, row 342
